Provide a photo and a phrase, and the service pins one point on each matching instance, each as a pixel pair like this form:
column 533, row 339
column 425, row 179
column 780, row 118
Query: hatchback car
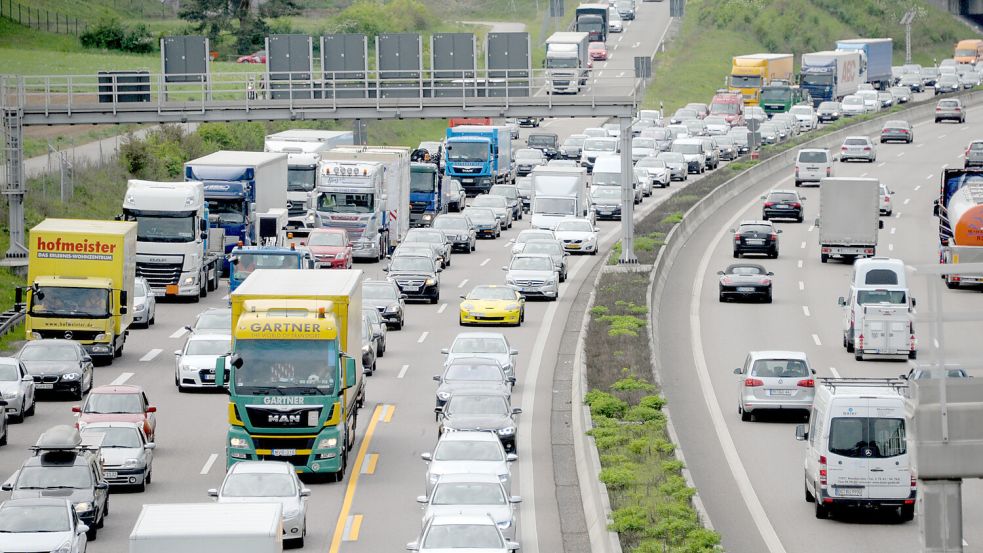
column 728, row 147
column 716, row 125
column 468, row 453
column 770, row 133
column 745, row 281
column 480, row 410
column 378, row 329
column 573, row 146
column 17, row 387
column 194, row 364
column 268, row 482
column 973, row 157
column 530, row 234
column 577, row 235
column 127, row 454
column 912, row 81
column 533, row 275
column 781, row 380
column 331, row 248
column 615, row 23
column 656, row 171
column 597, row 51
column 472, row 373
column 829, row 111
column 902, row 94
column 950, row 109
column 947, row 84
column 678, row 168
column 782, row 204
column 416, row 276
column 806, row 116
column 492, row 345
column 122, row 403
column 472, row 494
column 58, row 366
column 386, row 298
column 756, row 237
column 858, row 147
column 897, row 130
column 42, row 524
column 458, row 230
column 144, row 303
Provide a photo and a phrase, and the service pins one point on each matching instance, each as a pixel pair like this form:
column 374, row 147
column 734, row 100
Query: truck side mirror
column 236, row 361
column 123, row 296
column 801, row 433
column 350, row 374
column 935, row 208
column 203, row 226
column 219, row 370
column 18, row 295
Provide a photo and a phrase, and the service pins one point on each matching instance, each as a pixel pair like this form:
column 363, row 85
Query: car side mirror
column 7, row 487
column 511, row 458
column 721, row 273
column 438, row 410
column 778, row 231
column 516, row 410
column 841, row 301
column 504, row 268
column 515, row 499
column 764, row 197
column 212, row 492
column 769, row 273
column 305, row 492
column 421, row 499
column 903, row 376
column 426, row 456
column 801, row 433
column 444, row 351
column 177, row 352
column 27, row 378
column 403, row 296
column 86, row 359
column 512, row 545
column 413, row 546
column 102, row 485
column 189, row 329
column 513, row 351
column 914, row 302
column 738, row 370
column 81, row 529
column 385, row 269
column 439, row 269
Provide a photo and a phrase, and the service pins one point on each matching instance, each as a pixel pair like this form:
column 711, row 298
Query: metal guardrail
column 10, row 318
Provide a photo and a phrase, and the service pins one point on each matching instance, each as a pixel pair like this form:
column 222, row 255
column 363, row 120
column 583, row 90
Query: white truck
column 561, row 193
column 886, row 330
column 849, row 217
column 208, row 528
column 567, row 62
column 177, row 252
column 304, row 148
column 373, row 205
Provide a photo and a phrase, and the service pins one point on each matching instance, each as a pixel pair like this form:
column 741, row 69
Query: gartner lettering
column 283, row 400
column 286, row 327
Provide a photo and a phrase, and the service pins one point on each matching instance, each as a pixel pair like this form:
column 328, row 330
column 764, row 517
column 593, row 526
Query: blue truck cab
column 479, row 157
column 246, row 259
column 427, row 199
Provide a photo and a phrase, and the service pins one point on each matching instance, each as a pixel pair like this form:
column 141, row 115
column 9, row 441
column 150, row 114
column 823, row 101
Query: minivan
column 693, row 152
column 857, row 448
column 607, row 172
column 812, row 165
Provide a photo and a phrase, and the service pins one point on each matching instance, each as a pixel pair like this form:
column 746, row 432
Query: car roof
column 483, row 478
column 753, row 222
column 116, row 389
column 534, row 255
column 262, row 467
column 778, row 354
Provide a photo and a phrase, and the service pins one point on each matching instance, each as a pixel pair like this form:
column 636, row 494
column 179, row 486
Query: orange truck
column 968, row 51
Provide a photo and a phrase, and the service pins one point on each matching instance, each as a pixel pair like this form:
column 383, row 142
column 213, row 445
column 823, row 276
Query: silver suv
column 533, row 275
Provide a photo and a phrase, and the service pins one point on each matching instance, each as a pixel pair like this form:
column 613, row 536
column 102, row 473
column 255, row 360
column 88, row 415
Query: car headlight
column 131, row 463
column 189, row 280
column 392, row 308
column 238, row 443
column 100, row 337
column 504, row 524
column 140, row 307
column 467, row 306
column 427, row 216
column 339, row 255
column 430, row 282
column 187, row 368
column 83, row 507
column 64, row 548
column 503, row 477
column 327, row 443
column 507, row 431
column 35, row 336
column 9, row 395
column 71, row 376
column 309, row 218
column 443, row 396
column 510, row 281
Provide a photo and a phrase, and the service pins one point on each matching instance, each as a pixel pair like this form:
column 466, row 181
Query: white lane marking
column 508, row 244
column 151, row 355
column 893, row 229
column 929, row 177
column 485, row 262
column 906, row 200
column 890, row 247
column 941, row 136
column 121, row 379
column 620, row 38
column 919, row 145
column 815, row 338
column 601, row 72
column 802, row 285
column 463, row 283
column 834, row 372
column 917, row 187
column 897, row 215
column 225, row 297
column 805, row 311
column 862, row 175
column 442, row 307
column 900, row 154
column 208, row 463
column 423, row 336
column 385, row 412
column 402, row 371
column 811, row 228
column 622, row 74
column 799, row 264
column 734, row 463
column 636, row 45
column 945, row 165
column 935, row 342
column 179, row 332
column 803, row 245
column 882, row 164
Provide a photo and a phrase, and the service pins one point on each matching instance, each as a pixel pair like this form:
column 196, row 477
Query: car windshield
column 867, row 437
column 427, row 237
column 219, row 319
column 492, row 293
column 550, row 248
column 139, row 289
column 55, row 301
column 780, row 368
column 258, row 484
column 16, row 519
column 573, row 226
column 649, row 163
column 881, row 296
column 716, row 120
column 760, row 229
column 672, row 157
column 801, row 110
column 472, row 372
column 476, row 405
column 326, row 239
column 600, row 145
column 948, row 104
column 461, row 450
column 462, row 536
column 468, row 493
column 477, row 344
column 526, row 236
column 725, row 141
column 829, row 106
column 684, row 148
column 208, row 347
column 683, row 113
column 40, row 351
column 813, row 157
column 643, row 143
column 411, row 263
column 600, row 193
column 506, row 191
column 248, row 261
column 53, row 476
column 9, row 372
column 730, row 108
column 853, row 101
column 540, row 140
column 489, row 201
column 745, row 270
column 531, row 264
column 450, row 223
column 480, row 215
column 529, row 155
column 127, row 437
column 340, row 202
column 855, row 142
column 113, row 404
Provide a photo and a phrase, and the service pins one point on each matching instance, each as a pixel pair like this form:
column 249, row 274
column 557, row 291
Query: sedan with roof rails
column 416, row 276
column 485, row 221
column 782, row 204
column 385, row 297
column 194, row 364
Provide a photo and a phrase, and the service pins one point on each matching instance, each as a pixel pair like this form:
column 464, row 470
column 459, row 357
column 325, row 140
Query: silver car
column 215, row 320
column 477, row 533
column 17, row 387
column 779, row 380
column 533, row 275
column 144, row 303
column 41, row 524
column 468, row 453
column 471, row 373
column 858, row 147
column 552, row 248
column 577, row 235
column 528, row 235
column 269, row 482
column 657, row 170
column 492, row 345
column 436, row 239
column 472, row 494
column 127, row 454
column 194, row 364
column 498, row 204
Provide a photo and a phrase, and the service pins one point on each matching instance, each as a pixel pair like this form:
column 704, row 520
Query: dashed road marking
column 893, row 229
column 890, row 247
column 179, row 332
column 906, row 200
column 386, row 414
column 622, row 74
column 815, row 338
column 935, row 342
column 941, row 136
column 225, row 297
column 802, row 285
column 897, row 215
column 862, row 175
column 803, row 245
column 799, row 264
column 402, row 371
column 121, row 379
column 805, row 311
column 900, row 154
column 342, row 526
column 151, row 355
column 811, row 228
column 352, row 527
column 423, row 336
column 919, row 145
column 929, row 177
column 636, row 45
column 463, row 283
column 485, row 262
column 834, row 372
column 368, row 467
column 917, row 187
column 208, row 463
column 882, row 164
column 442, row 307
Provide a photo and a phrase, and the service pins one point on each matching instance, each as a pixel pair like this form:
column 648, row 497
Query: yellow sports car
column 500, row 305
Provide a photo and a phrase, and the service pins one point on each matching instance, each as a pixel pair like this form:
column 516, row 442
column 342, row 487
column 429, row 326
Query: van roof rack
column 896, row 383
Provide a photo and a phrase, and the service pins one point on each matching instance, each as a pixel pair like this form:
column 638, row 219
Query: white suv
column 858, row 147
column 813, row 165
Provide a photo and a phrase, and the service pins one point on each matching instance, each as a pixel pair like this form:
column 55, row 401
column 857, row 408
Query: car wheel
column 150, row 477
column 382, row 350
column 399, row 325
column 19, row 417
column 91, row 534
column 745, row 416
column 737, row 254
column 522, row 316
column 809, row 497
column 721, row 298
column 474, row 245
column 153, row 318
column 768, row 297
column 78, row 395
column 823, row 257
column 31, row 409
column 799, row 219
column 460, row 321
column 913, row 355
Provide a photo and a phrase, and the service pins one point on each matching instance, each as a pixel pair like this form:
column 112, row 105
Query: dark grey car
column 416, row 276
column 459, row 230
column 897, row 130
column 480, row 411
column 387, row 299
column 58, row 366
column 470, row 373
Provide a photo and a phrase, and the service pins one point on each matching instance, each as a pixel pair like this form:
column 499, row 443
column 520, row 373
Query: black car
column 459, row 230
column 782, row 204
column 65, row 467
column 479, row 410
column 530, row 121
column 756, row 237
column 466, row 374
column 416, row 276
column 58, row 366
column 485, row 223
column 548, row 143
column 387, row 299
column 745, row 281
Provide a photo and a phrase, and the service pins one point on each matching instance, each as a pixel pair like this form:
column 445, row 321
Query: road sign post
column 627, row 194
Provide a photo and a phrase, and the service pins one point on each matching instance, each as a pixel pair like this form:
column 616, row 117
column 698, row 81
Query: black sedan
column 782, row 204
column 756, row 237
column 58, row 366
column 745, row 281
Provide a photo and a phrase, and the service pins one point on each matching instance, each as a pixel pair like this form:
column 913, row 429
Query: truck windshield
column 249, row 262
column 422, row 182
column 53, row 301
column 745, row 81
column 286, row 367
column 226, row 212
column 562, row 63
column 589, row 23
column 163, row 228
column 467, row 151
column 867, row 437
column 301, row 179
column 343, row 202
column 969, row 53
column 556, row 206
column 817, row 80
column 776, row 94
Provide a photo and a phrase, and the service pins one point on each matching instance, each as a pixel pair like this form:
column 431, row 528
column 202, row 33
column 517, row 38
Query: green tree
column 249, row 26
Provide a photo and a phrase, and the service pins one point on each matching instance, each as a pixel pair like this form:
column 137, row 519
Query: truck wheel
column 951, row 285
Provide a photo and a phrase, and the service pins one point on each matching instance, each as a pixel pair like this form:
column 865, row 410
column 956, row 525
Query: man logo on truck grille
column 283, row 418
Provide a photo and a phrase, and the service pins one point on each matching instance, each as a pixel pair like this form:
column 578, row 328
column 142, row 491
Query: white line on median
column 622, row 74
column 799, row 264
column 208, row 463
column 423, row 336
column 121, row 379
column 834, row 372
column 225, row 297
column 815, row 338
column 803, row 245
column 485, row 262
column 802, row 285
column 862, row 175
column 917, row 187
column 919, row 145
column 636, row 45
column 463, row 283
column 941, row 136
column 935, row 342
column 179, row 332
column 442, row 307
column 805, row 311
column 151, row 355
column 402, row 371
column 897, row 215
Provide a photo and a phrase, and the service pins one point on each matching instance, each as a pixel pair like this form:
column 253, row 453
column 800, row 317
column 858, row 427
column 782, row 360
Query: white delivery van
column 879, row 287
column 856, row 447
column 607, row 172
column 813, row 165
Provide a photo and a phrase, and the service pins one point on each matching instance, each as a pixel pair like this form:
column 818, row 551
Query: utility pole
column 906, row 20
column 627, row 194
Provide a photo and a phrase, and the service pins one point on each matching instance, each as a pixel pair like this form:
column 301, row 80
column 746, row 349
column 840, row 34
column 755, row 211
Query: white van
column 879, row 282
column 607, row 172
column 856, row 447
column 813, row 165
column 871, row 102
column 878, row 271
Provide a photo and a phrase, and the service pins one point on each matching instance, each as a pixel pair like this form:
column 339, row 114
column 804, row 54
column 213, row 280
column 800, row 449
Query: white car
column 459, row 532
column 642, row 147
column 615, row 24
column 144, row 303
column 853, row 105
column 269, row 482
column 41, row 524
column 577, row 235
column 858, row 147
column 657, row 170
column 194, row 365
column 472, row 494
column 17, row 387
column 886, row 206
column 469, row 453
column 530, row 234
column 491, row 345
column 127, row 454
column 806, row 116
column 871, row 101
column 716, row 126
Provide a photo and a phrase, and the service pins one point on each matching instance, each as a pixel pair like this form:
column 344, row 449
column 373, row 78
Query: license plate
column 411, row 288
column 44, row 386
column 783, row 207
column 171, row 289
column 467, row 180
column 208, row 377
column 849, row 492
column 573, row 246
column 780, row 392
column 110, row 474
column 745, row 289
column 755, row 242
column 284, row 452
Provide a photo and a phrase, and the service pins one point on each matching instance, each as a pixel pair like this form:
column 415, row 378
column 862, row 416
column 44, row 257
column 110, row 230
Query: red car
column 598, row 51
column 331, row 248
column 117, row 404
column 255, row 57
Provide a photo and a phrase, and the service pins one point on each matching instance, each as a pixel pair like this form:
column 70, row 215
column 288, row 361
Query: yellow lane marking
column 390, row 409
column 370, row 464
column 354, row 528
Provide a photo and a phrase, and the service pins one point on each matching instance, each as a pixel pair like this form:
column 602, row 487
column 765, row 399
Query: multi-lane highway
column 750, row 474
column 373, row 509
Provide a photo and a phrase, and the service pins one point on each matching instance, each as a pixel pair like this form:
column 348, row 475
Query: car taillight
column 797, row 205
column 938, row 109
column 737, row 238
column 843, row 148
column 887, row 199
column 774, row 236
column 766, row 282
column 866, row 148
column 829, row 171
column 904, row 131
column 967, row 152
column 769, row 204
column 860, row 342
column 806, row 383
column 727, row 281
column 822, row 470
column 958, row 109
column 753, row 382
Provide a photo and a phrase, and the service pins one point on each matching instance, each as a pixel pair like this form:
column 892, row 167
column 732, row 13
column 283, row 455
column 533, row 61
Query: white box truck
column 208, row 528
column 304, row 148
column 567, row 62
column 849, row 217
column 561, row 193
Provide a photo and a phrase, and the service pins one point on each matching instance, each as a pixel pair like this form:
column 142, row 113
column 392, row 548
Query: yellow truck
column 80, row 283
column 294, row 375
column 751, row 72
